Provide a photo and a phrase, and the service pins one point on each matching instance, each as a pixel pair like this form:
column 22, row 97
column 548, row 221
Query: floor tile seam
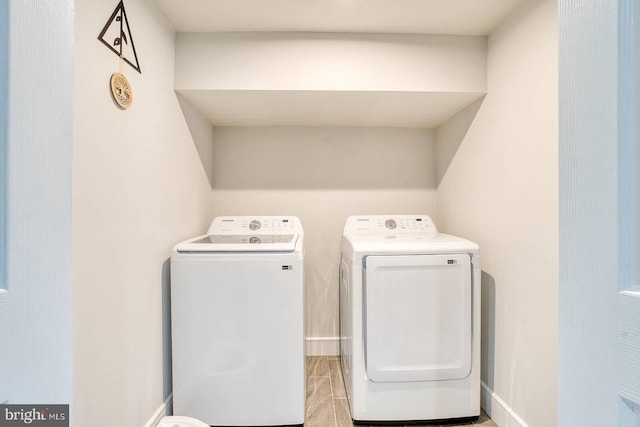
column 340, row 379
column 333, row 404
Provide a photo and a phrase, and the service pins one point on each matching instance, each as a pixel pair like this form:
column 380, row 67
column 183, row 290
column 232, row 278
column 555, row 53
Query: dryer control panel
column 397, row 224
column 255, row 225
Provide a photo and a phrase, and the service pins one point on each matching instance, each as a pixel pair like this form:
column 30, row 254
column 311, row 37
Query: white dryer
column 409, row 320
column 237, row 323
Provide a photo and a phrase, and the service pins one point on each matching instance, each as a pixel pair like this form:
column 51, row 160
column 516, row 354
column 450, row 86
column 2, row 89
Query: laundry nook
column 324, row 213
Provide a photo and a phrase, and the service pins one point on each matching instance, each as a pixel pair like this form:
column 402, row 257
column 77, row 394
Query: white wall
column 501, row 190
column 329, row 61
column 323, row 175
column 138, row 188
column 39, row 201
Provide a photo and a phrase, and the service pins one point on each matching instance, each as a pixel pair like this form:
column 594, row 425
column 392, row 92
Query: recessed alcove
column 323, row 126
column 409, row 106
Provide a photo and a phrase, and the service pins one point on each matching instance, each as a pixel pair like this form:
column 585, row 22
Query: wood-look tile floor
column 327, row 405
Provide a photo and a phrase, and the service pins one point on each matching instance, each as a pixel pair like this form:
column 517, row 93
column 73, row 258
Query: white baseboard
column 498, row 410
column 163, row 410
column 322, row 346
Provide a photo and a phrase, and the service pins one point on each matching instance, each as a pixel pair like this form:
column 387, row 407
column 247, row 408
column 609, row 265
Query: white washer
column 409, row 320
column 237, row 323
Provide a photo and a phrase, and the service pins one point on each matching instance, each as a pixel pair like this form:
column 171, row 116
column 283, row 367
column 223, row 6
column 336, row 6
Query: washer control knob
column 254, row 239
column 390, row 224
column 255, row 225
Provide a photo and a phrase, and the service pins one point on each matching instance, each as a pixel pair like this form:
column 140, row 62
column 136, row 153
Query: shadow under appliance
column 237, row 323
column 409, row 320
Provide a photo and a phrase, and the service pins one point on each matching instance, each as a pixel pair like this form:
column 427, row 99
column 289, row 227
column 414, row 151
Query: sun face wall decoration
column 116, row 35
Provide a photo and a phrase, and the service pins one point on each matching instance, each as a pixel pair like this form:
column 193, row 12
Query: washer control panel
column 391, row 224
column 255, row 225
column 397, row 224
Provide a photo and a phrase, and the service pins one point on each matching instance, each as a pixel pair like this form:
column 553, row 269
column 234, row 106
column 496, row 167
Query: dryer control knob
column 390, row 224
column 255, row 225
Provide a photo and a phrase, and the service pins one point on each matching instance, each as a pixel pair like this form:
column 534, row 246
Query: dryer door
column 418, row 317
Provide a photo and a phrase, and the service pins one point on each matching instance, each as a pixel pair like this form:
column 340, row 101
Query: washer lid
column 240, row 243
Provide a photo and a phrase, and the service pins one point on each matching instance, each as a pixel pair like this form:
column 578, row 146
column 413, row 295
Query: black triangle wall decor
column 116, row 35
